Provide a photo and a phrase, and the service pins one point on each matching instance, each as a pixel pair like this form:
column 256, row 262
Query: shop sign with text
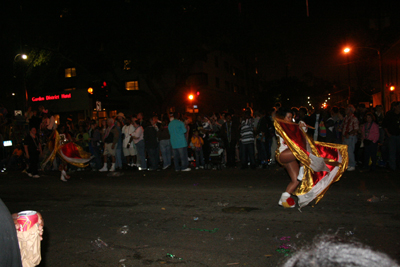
column 51, row 97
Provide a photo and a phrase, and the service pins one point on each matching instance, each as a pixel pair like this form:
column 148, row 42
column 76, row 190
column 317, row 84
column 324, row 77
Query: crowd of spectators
column 183, row 141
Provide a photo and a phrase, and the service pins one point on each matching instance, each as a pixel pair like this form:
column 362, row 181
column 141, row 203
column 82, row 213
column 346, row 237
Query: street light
column 347, row 51
column 23, row 56
column 383, row 95
column 17, row 59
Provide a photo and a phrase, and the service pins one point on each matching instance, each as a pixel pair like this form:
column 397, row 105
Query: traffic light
column 104, row 89
column 99, row 90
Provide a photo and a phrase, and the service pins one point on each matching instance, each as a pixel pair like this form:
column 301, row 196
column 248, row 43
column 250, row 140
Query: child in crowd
column 198, row 143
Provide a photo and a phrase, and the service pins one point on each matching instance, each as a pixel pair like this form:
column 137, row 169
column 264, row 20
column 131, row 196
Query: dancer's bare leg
column 290, row 163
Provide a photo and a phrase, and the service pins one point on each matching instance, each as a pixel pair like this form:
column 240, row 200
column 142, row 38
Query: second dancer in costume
column 69, row 153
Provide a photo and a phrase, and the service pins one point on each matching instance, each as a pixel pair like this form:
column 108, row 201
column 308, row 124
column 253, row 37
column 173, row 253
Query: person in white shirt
column 139, row 142
column 129, row 148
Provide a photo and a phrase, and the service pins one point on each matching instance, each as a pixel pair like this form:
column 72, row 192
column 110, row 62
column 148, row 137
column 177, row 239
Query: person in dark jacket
column 165, row 142
column 95, row 143
column 33, row 149
column 230, row 138
column 151, row 143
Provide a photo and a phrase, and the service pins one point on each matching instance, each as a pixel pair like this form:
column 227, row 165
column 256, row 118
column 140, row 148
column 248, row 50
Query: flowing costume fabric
column 324, row 163
column 68, row 152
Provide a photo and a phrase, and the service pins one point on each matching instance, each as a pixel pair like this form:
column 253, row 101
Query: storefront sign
column 51, row 97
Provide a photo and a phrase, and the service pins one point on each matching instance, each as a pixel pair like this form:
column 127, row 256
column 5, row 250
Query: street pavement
column 202, row 218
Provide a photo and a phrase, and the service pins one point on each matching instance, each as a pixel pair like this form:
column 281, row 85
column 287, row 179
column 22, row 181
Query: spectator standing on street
column 230, row 138
column 110, row 140
column 165, row 142
column 198, row 143
column 33, row 149
column 349, row 135
column 309, row 120
column 379, row 118
column 95, row 143
column 247, row 140
column 370, row 137
column 82, row 139
column 118, row 149
column 129, row 147
column 52, row 123
column 151, row 143
column 392, row 128
column 177, row 132
column 139, row 143
column 140, row 119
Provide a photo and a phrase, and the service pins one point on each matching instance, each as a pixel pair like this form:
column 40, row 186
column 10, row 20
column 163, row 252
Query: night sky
column 286, row 41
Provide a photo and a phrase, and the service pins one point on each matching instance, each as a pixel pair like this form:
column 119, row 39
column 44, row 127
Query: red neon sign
column 51, row 97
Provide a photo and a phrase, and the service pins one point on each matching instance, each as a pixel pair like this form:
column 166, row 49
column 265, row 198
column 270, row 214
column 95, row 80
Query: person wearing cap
column 120, row 117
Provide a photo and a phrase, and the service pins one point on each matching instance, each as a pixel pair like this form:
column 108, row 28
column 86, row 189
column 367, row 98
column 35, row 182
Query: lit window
column 70, row 72
column 69, row 89
column 132, row 85
column 127, row 64
column 256, row 71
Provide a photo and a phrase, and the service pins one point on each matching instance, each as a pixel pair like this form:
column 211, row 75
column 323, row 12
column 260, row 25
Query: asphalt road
column 198, row 218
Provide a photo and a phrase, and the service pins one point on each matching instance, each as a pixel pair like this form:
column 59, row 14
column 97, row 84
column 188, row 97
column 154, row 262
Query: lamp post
column 346, row 51
column 382, row 84
column 17, row 58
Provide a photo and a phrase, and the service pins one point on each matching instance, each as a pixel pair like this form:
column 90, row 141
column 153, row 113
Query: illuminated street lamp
column 348, row 49
column 191, row 97
column 23, row 56
column 22, row 73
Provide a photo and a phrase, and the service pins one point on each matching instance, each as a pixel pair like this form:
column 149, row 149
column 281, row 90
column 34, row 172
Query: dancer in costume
column 68, row 151
column 312, row 166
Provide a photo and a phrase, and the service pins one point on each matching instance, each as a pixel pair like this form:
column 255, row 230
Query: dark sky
column 289, row 42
